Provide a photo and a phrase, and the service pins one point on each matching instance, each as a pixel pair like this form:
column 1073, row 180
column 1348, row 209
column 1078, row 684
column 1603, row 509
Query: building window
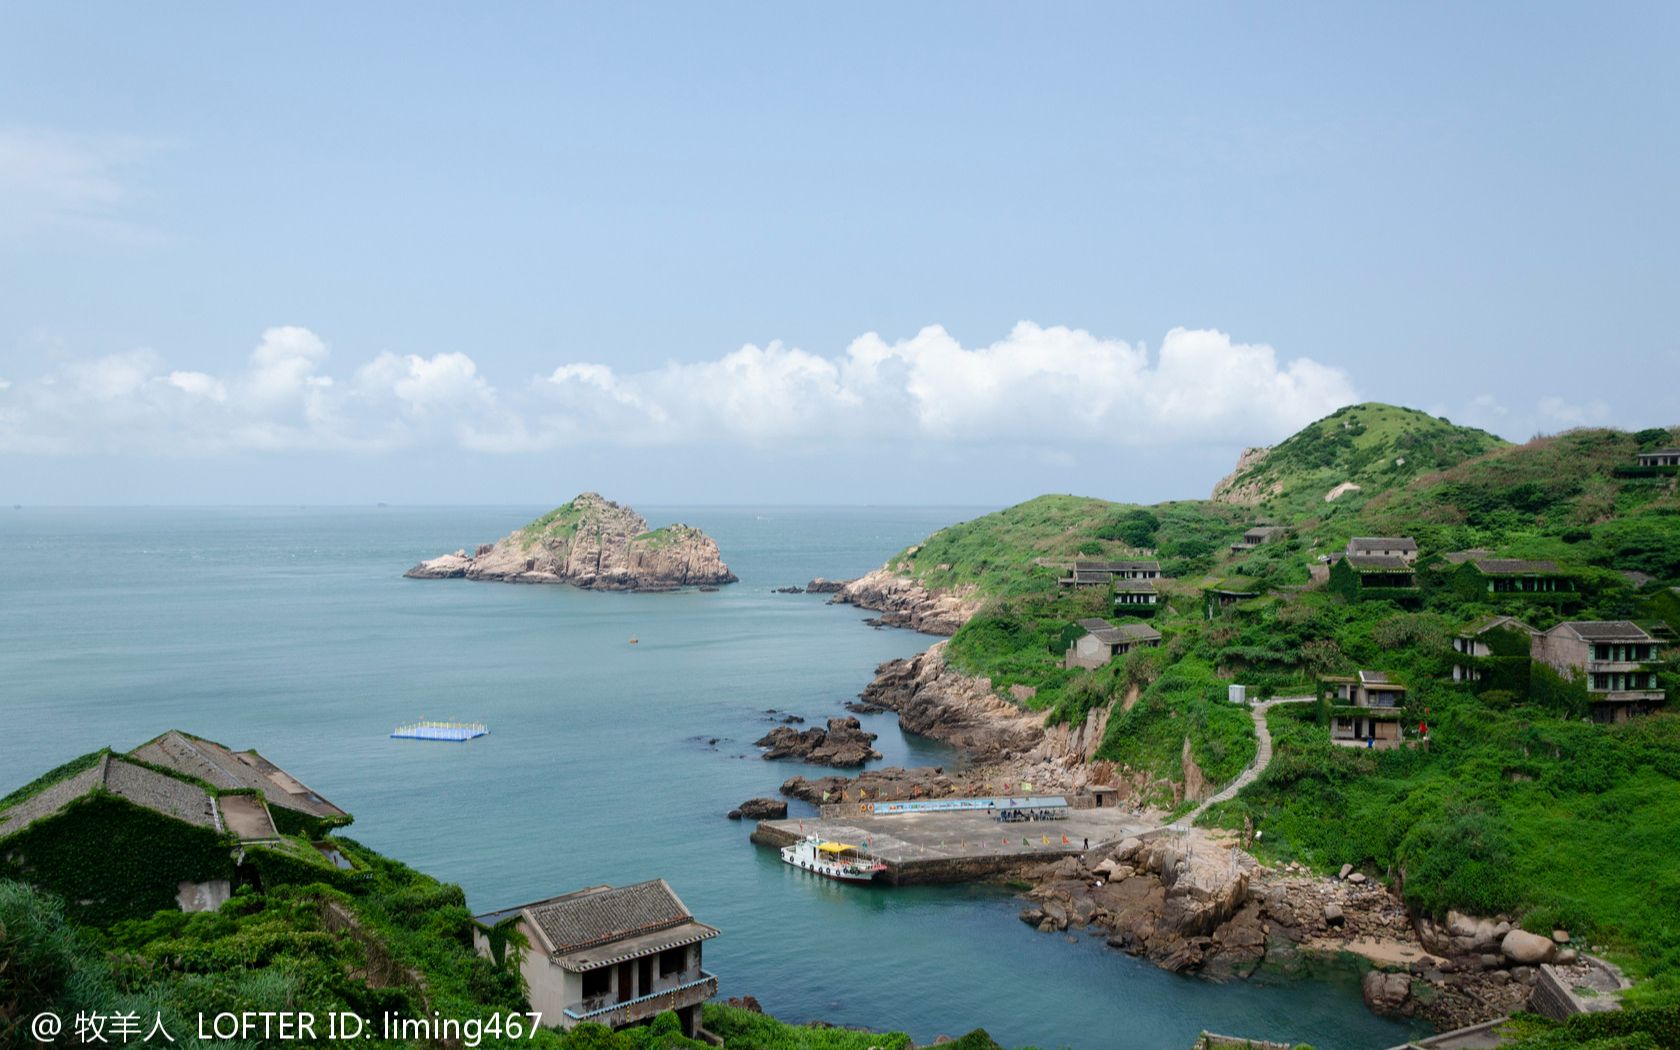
column 597, row 982
column 672, row 961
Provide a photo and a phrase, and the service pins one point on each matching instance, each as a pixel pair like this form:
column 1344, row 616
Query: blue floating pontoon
column 453, row 731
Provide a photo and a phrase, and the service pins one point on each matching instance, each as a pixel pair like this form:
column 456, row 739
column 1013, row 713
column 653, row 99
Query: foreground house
column 616, row 957
column 1495, row 651
column 1103, row 641
column 1101, row 573
column 1617, row 660
column 1363, row 711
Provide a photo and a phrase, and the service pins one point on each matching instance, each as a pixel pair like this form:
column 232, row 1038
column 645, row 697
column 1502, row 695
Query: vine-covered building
column 1617, row 660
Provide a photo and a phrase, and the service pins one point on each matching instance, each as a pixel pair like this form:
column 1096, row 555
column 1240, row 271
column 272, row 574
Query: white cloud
column 1040, row 389
column 57, row 181
column 1558, row 412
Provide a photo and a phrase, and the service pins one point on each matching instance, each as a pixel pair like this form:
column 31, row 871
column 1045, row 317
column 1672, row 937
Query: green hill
column 1375, row 447
column 1518, row 804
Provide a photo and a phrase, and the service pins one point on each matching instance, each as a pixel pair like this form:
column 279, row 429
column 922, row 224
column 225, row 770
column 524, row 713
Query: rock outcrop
column 590, row 542
column 1234, row 488
column 825, row 586
column 759, row 809
column 890, row 782
column 936, row 701
column 843, row 743
column 903, row 602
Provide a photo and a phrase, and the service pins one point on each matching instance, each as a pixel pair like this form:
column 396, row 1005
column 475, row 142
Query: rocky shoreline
column 1189, row 900
column 903, row 602
column 593, row 543
column 842, row 743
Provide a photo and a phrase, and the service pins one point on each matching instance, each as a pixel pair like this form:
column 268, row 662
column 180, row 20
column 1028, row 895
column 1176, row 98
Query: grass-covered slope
column 1517, row 804
column 394, row 940
column 1377, row 447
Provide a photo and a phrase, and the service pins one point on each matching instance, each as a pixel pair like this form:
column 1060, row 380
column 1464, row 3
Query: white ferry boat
column 837, row 860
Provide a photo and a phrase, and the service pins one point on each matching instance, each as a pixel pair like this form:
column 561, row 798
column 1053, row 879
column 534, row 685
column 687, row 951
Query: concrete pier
column 958, row 847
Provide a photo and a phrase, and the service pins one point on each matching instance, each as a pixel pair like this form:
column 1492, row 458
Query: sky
column 932, row 253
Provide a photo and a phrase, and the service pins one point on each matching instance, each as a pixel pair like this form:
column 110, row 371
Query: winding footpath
column 1262, row 759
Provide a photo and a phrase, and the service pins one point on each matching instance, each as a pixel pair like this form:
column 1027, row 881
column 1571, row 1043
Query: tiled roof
column 224, row 768
column 1513, row 566
column 1488, row 623
column 1135, row 586
column 1095, row 624
column 1604, row 630
column 1381, row 543
column 600, row 916
column 1378, row 563
column 1138, row 632
column 1266, row 530
column 1373, row 678
column 1460, row 557
column 143, row 787
column 1117, row 566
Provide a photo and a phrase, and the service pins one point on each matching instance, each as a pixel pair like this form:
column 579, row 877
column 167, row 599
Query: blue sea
column 291, row 630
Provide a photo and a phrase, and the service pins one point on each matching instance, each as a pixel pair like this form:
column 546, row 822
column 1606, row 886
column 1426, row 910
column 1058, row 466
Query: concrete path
column 1262, row 758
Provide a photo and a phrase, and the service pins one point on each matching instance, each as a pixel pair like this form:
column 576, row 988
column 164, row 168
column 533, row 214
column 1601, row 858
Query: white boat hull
column 804, row 856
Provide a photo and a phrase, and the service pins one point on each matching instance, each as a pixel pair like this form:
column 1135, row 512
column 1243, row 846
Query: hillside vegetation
column 1516, row 804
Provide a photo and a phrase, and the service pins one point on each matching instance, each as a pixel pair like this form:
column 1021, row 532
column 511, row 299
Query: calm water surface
column 291, row 630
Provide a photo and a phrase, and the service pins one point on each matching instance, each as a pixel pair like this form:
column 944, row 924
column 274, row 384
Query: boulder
column 760, row 809
column 1386, row 993
column 1127, row 849
column 1333, row 914
column 1347, row 869
column 1560, row 936
column 1528, row 949
column 1357, row 878
column 1567, row 956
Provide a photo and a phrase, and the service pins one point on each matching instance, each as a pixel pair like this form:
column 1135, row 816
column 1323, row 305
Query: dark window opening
column 672, row 961
column 597, row 982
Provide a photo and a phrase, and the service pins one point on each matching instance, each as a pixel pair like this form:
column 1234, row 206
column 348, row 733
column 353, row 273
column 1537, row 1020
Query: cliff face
column 590, row 542
column 1231, row 490
column 935, row 701
column 902, row 602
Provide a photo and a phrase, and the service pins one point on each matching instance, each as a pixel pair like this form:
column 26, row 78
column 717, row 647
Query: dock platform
column 958, row 846
column 453, row 732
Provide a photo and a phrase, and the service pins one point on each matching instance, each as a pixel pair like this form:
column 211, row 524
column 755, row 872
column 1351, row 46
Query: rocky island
column 590, row 542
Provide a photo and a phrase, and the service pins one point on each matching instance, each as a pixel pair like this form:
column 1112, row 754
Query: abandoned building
column 1489, row 639
column 1135, row 596
column 1617, row 660
column 1363, row 710
column 1258, row 536
column 616, row 957
column 294, row 806
column 1660, row 457
column 1101, row 573
column 1103, row 641
column 1403, row 547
